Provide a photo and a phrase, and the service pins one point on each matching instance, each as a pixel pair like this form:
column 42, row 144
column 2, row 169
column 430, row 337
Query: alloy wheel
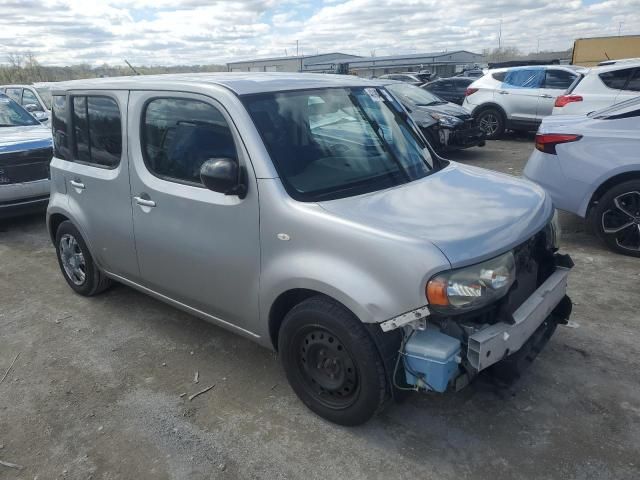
column 73, row 261
column 489, row 123
column 622, row 221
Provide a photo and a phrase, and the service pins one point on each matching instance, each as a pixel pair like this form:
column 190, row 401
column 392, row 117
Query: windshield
column 13, row 115
column 45, row 95
column 339, row 142
column 414, row 95
column 625, row 107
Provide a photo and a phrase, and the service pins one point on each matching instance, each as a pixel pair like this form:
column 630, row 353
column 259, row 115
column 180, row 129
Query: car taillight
column 546, row 142
column 470, row 91
column 563, row 100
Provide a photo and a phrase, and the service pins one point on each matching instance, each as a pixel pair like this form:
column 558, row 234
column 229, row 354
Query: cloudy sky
column 169, row 32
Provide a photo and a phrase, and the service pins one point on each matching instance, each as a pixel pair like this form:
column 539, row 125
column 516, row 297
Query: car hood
column 469, row 213
column 18, row 139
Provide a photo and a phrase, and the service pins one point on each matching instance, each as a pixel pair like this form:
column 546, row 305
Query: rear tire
column 76, row 263
column 616, row 218
column 492, row 122
column 332, row 363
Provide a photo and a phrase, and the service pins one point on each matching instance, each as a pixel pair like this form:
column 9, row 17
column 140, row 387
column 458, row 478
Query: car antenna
column 131, row 67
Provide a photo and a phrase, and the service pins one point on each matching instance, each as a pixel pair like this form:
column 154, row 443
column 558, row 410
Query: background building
column 444, row 64
column 287, row 64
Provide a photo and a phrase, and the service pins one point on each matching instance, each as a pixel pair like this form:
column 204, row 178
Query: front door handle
column 545, row 95
column 145, row 202
column 77, row 184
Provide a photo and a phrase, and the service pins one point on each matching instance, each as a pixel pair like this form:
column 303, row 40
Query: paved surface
column 95, row 391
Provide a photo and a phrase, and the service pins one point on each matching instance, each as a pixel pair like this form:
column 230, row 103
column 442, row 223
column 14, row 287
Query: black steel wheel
column 327, row 369
column 617, row 218
column 332, row 362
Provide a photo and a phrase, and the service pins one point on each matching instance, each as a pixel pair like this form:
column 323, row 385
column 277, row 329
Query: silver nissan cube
column 309, row 214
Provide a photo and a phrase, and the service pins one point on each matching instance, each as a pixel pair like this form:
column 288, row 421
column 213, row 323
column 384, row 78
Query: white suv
column 518, row 98
column 601, row 87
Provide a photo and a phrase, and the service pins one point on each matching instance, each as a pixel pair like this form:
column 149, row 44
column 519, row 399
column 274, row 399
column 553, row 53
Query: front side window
column 28, row 98
column 339, row 142
column 616, row 79
column 179, row 135
column 13, row 115
column 97, row 130
column 558, row 79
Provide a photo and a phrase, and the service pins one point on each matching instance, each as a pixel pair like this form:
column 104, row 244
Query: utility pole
column 620, row 27
column 500, row 36
column 297, row 54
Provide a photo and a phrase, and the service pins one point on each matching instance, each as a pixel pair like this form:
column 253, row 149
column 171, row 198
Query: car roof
column 572, row 68
column 620, row 65
column 241, row 83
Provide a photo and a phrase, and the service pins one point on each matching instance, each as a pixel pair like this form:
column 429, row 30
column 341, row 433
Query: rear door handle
column 145, row 202
column 502, row 92
column 544, row 95
column 77, row 184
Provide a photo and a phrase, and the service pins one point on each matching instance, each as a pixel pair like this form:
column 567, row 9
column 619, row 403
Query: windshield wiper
column 436, row 102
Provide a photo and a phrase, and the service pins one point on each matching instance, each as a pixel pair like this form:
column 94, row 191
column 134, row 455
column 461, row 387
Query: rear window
column 616, row 79
column 59, row 127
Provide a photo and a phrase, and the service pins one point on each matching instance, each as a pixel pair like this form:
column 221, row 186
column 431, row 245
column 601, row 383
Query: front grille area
column 28, row 166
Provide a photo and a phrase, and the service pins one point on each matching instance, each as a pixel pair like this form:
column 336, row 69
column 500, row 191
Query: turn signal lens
column 437, row 292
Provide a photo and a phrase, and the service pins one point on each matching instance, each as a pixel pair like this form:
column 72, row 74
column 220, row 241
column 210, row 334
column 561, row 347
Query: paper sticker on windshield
column 373, row 94
column 4, row 100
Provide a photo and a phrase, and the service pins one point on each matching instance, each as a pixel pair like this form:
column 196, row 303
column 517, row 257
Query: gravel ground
column 95, row 391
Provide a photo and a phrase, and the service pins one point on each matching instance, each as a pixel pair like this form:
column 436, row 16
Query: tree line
column 25, row 68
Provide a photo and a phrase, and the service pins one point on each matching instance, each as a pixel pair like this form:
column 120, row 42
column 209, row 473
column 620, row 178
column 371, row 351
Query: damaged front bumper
column 458, row 137
column 435, row 358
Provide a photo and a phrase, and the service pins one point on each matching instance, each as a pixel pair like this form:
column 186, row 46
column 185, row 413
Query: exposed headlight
column 472, row 287
column 446, row 120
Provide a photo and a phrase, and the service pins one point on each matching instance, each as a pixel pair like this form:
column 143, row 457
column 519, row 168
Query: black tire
column 619, row 206
column 492, row 121
column 94, row 281
column 332, row 363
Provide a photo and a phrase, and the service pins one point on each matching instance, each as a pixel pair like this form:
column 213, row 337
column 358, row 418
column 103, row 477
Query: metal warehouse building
column 444, row 64
column 288, row 64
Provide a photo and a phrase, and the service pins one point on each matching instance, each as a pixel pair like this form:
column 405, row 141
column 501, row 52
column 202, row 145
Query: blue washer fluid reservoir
column 431, row 359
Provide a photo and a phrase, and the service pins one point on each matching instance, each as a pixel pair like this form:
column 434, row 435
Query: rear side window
column 97, row 130
column 558, row 79
column 59, row 127
column 616, row 79
column 634, row 82
column 179, row 135
column 28, row 98
column 499, row 76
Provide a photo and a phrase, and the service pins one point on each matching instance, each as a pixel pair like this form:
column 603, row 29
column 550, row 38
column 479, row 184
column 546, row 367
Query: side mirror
column 32, row 107
column 223, row 175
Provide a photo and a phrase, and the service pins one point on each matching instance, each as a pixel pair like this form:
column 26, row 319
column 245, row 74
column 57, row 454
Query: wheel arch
column 480, row 108
column 53, row 222
column 606, row 186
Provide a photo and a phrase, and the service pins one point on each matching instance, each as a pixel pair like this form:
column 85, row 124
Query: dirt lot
column 95, row 391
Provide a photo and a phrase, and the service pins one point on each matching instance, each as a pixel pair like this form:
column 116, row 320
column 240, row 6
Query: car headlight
column 446, row 120
column 472, row 287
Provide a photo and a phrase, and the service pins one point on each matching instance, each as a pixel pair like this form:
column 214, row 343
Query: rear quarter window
column 616, row 79
column 499, row 76
column 59, row 127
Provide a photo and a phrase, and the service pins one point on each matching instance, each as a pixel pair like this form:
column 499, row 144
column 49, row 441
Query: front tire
column 76, row 262
column 332, row 363
column 492, row 122
column 616, row 218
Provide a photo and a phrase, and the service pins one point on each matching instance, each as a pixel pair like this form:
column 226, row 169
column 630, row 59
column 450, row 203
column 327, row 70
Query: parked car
column 450, row 89
column 352, row 251
column 601, row 87
column 446, row 126
column 409, row 77
column 34, row 98
column 471, row 73
column 517, row 98
column 590, row 166
column 25, row 153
